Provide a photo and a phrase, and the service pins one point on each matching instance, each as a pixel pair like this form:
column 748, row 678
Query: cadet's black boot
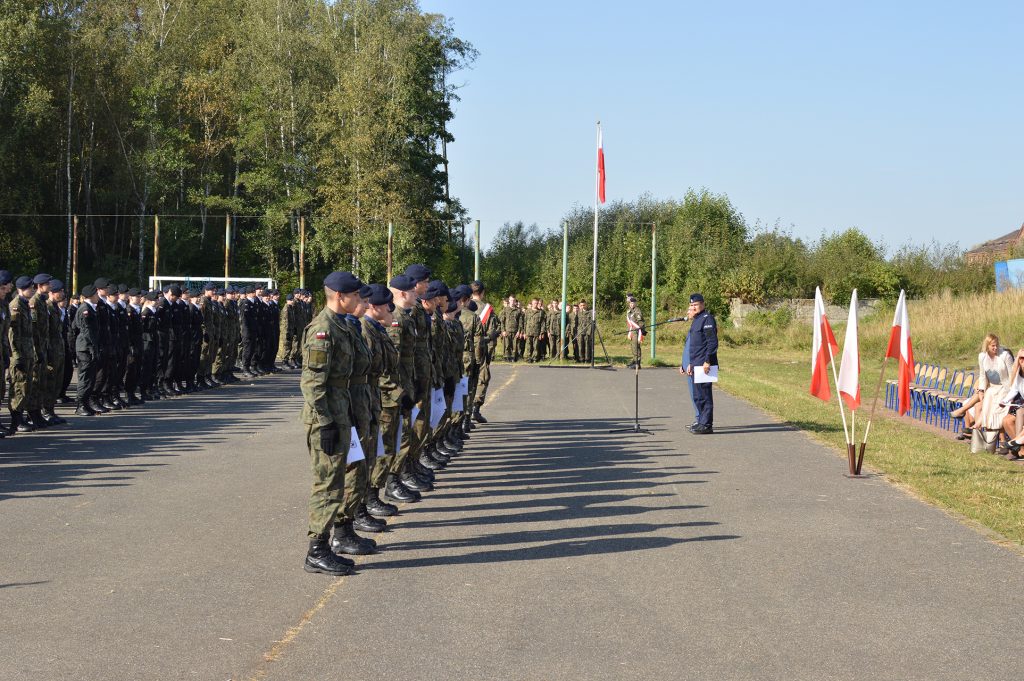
column 18, row 423
column 97, row 407
column 413, row 483
column 366, row 522
column 394, row 489
column 51, row 418
column 108, row 404
column 378, row 508
column 84, row 409
column 63, row 399
column 421, row 472
column 37, row 419
column 321, row 559
column 12, row 429
column 118, row 402
column 134, row 401
column 428, row 461
column 477, row 416
column 345, row 540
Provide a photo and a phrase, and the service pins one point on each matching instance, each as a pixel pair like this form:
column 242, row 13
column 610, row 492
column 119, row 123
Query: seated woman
column 1013, row 422
column 995, row 366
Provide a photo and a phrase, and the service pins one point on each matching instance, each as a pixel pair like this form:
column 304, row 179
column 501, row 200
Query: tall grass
column 945, row 329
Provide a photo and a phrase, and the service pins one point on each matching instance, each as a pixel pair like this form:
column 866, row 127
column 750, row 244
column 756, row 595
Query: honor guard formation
column 535, row 333
column 393, row 378
column 129, row 346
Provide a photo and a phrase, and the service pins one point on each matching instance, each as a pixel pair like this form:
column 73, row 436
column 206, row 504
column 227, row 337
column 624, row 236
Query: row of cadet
column 129, row 345
column 393, row 379
column 534, row 332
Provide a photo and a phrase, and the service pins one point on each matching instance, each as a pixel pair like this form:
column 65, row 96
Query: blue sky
column 902, row 119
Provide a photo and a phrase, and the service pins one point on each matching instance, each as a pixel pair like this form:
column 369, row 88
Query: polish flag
column 901, row 349
column 849, row 370
column 600, row 164
column 485, row 313
column 824, row 340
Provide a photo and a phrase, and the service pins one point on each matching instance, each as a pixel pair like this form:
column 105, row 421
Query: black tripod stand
column 636, row 388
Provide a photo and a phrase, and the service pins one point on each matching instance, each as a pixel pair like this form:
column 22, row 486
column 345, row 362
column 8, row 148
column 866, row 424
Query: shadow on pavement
column 551, row 471
column 105, row 451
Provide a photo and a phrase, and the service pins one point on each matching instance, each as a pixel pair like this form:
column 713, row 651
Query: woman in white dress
column 995, row 367
column 1013, row 422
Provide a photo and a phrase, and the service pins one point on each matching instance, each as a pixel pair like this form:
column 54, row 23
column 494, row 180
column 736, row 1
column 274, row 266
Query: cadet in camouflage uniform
column 416, row 476
column 554, row 344
column 444, row 447
column 328, row 346
column 23, row 354
column 387, row 392
column 508, row 326
column 56, row 354
column 289, row 320
column 353, row 513
column 6, row 285
column 585, row 332
column 635, row 322
column 492, row 328
column 435, row 302
column 474, row 351
column 403, row 335
column 533, row 326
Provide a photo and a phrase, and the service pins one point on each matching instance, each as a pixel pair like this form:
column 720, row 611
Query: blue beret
column 219, row 291
column 23, row 282
column 364, row 291
column 436, row 288
column 452, row 307
column 5, row 277
column 402, row 282
column 56, row 285
column 122, row 288
column 102, row 282
column 380, row 294
column 696, row 298
column 472, row 306
column 290, row 296
column 210, row 287
column 342, row 282
column 88, row 291
column 418, row 272
column 133, row 292
column 41, row 279
column 461, row 291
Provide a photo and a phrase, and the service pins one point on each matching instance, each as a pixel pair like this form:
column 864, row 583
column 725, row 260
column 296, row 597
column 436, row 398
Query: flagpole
column 839, row 399
column 597, row 199
column 871, row 415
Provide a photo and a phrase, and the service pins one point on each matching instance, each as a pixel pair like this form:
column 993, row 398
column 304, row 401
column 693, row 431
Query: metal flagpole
column 565, row 287
column 302, row 251
column 476, row 250
column 654, row 289
column 597, row 198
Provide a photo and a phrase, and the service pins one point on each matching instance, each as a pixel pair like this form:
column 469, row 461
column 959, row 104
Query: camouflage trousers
column 21, row 388
column 54, row 380
column 482, row 381
column 328, row 490
column 357, row 475
column 390, row 418
column 415, row 437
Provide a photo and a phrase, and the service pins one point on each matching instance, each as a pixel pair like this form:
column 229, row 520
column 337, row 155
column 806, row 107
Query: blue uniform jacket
column 703, row 339
column 686, row 353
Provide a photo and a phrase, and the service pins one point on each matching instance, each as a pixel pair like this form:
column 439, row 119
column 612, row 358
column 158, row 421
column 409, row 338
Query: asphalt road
column 167, row 542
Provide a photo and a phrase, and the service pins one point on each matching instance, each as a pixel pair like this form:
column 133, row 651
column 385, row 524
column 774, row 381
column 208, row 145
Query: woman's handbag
column 983, row 440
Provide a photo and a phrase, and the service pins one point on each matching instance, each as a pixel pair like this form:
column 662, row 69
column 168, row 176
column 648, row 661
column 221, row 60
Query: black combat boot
column 396, row 491
column 321, row 559
column 98, row 407
column 366, row 522
column 51, row 418
column 414, row 483
column 421, row 472
column 84, row 409
column 345, row 540
column 477, row 416
column 18, row 423
column 428, row 461
column 35, row 418
column 378, row 508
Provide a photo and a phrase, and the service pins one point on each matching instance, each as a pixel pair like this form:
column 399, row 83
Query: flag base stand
column 860, row 459
column 851, row 457
column 636, row 429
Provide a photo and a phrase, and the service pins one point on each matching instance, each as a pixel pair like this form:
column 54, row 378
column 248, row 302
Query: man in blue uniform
column 703, row 338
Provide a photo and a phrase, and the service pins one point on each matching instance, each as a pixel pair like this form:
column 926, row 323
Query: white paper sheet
column 710, row 377
column 437, row 406
column 355, row 449
column 380, row 442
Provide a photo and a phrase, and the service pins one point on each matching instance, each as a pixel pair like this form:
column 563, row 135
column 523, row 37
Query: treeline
column 704, row 244
column 117, row 110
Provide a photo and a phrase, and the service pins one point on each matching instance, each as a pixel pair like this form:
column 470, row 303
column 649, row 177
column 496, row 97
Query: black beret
column 23, row 282
column 88, row 291
column 41, row 279
column 342, row 282
column 219, row 291
column 210, row 287
column 477, row 285
column 391, row 307
column 102, row 282
column 471, row 306
column 134, row 292
column 380, row 294
column 402, row 282
column 152, row 295
column 418, row 272
column 5, row 277
column 250, row 289
column 696, row 298
column 461, row 291
column 56, row 285
column 452, row 307
column 122, row 288
column 174, row 290
column 436, row 288
column 364, row 291
column 290, row 296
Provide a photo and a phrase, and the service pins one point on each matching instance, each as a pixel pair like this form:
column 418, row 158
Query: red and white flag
column 848, row 383
column 901, row 349
column 600, row 164
column 824, row 339
column 485, row 313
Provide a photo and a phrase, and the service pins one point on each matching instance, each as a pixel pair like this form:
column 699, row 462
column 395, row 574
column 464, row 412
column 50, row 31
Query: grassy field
column 770, row 368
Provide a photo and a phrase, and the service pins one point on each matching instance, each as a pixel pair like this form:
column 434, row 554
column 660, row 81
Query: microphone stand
column 636, row 429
